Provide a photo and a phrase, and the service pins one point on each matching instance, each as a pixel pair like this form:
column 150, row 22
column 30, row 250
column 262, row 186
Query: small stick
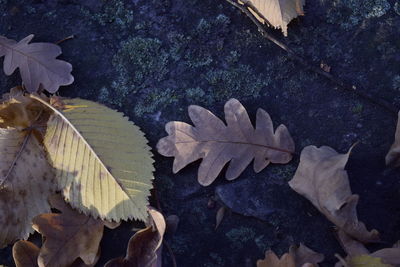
column 352, row 88
column 65, row 39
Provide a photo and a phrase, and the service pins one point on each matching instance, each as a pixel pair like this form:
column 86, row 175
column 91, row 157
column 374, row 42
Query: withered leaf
column 26, row 181
column 300, row 256
column 393, row 156
column 37, row 63
column 358, row 255
column 144, row 245
column 25, row 254
column 69, row 235
column 103, row 164
column 321, row 178
column 276, row 13
column 217, row 144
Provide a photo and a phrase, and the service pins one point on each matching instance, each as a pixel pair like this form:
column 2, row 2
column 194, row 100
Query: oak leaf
column 359, row 256
column 26, row 181
column 322, row 179
column 275, row 13
column 69, row 235
column 217, row 144
column 393, row 156
column 25, row 254
column 145, row 245
column 37, row 63
column 103, row 164
column 300, row 256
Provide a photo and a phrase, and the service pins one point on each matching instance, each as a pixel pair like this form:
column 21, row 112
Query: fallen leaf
column 321, row 178
column 69, row 235
column 144, row 245
column 26, row 181
column 104, row 166
column 219, row 216
column 359, row 256
column 25, row 254
column 37, row 63
column 393, row 156
column 275, row 13
column 300, row 256
column 217, row 144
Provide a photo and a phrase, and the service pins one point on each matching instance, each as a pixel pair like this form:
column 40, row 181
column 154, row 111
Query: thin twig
column 65, row 39
column 352, row 88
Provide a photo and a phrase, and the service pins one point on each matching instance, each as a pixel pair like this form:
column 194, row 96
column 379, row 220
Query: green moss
column 239, row 81
column 159, row 99
column 353, row 12
column 114, row 12
column 240, row 236
column 396, row 82
column 357, row 108
column 140, row 63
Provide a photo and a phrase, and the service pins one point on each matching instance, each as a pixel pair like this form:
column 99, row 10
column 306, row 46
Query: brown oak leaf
column 322, row 179
column 358, row 254
column 37, row 63
column 217, row 144
column 69, row 235
column 393, row 156
column 300, row 256
column 275, row 13
column 144, row 247
column 25, row 254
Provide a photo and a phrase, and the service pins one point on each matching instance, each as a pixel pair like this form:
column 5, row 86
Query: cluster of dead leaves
column 320, row 177
column 93, row 156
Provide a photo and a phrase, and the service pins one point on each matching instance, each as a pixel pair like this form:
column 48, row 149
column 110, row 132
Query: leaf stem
column 245, row 8
column 65, row 39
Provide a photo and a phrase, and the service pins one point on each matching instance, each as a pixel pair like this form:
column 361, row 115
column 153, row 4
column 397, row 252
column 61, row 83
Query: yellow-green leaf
column 367, row 261
column 104, row 166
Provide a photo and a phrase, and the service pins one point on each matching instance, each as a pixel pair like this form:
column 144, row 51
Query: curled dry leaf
column 217, row 144
column 104, row 166
column 37, row 63
column 321, row 178
column 25, row 254
column 144, row 245
column 69, row 235
column 275, row 13
column 26, row 181
column 358, row 255
column 393, row 156
column 300, row 256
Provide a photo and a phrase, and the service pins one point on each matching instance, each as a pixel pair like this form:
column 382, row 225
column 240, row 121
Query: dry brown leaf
column 219, row 216
column 69, row 235
column 321, row 178
column 276, row 13
column 217, row 144
column 26, row 181
column 37, row 63
column 300, row 256
column 393, row 156
column 358, row 255
column 25, row 254
column 144, row 245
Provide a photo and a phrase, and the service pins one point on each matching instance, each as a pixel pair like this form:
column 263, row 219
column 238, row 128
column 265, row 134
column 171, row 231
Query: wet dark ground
column 151, row 59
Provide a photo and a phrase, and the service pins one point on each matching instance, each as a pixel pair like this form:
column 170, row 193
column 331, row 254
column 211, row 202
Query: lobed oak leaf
column 393, row 156
column 37, row 63
column 26, row 181
column 103, row 164
column 25, row 254
column 69, row 235
column 300, row 256
column 275, row 13
column 358, row 255
column 321, row 178
column 217, row 144
column 144, row 247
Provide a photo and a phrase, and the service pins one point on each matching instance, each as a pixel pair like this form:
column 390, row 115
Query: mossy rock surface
column 152, row 58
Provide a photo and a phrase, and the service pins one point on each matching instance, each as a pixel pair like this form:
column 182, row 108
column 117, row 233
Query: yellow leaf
column 367, row 261
column 103, row 164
